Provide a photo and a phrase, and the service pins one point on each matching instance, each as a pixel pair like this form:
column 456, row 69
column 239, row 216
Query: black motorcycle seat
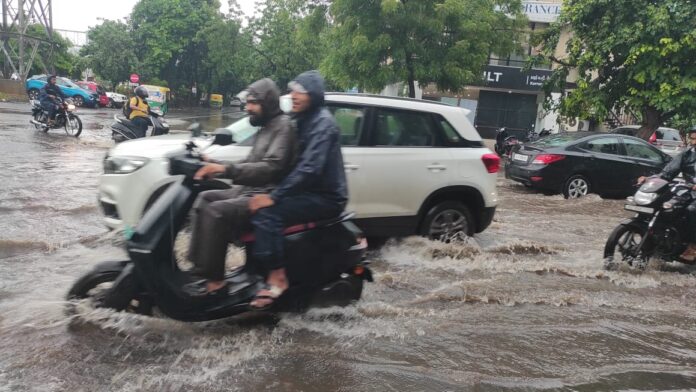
column 344, row 216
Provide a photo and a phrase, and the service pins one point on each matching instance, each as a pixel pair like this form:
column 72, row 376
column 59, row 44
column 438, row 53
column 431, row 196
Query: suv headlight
column 123, row 165
column 642, row 198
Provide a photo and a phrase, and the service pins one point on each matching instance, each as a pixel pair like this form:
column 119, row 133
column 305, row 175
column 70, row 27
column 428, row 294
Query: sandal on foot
column 274, row 292
column 198, row 289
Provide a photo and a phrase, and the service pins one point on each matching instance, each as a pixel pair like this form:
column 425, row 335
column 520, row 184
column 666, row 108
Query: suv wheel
column 446, row 221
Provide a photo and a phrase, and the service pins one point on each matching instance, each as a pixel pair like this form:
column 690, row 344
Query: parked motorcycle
column 65, row 117
column 659, row 228
column 325, row 262
column 123, row 129
column 505, row 142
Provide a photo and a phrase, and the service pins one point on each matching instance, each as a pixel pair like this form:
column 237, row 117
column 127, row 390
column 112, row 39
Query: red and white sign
column 134, row 78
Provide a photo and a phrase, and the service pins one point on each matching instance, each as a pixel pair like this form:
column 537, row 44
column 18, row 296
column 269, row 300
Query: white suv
column 413, row 167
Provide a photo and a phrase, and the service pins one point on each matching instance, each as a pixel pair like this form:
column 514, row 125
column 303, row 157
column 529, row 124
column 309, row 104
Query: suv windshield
column 668, row 134
column 554, row 141
column 242, row 131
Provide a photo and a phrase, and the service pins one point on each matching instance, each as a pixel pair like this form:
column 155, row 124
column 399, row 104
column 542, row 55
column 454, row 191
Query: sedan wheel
column 78, row 101
column 575, row 187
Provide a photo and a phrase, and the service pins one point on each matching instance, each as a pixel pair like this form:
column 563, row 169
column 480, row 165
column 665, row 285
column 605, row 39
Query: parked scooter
column 659, row 228
column 504, row 142
column 123, row 129
column 65, row 117
column 325, row 261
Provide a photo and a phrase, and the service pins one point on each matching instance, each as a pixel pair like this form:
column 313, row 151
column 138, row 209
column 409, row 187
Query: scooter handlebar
column 185, row 165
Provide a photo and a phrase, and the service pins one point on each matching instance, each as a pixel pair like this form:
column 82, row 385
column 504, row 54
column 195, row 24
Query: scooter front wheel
column 108, row 286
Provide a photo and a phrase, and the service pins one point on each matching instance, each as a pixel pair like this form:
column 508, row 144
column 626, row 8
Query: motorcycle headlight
column 643, row 198
column 71, row 107
column 123, row 165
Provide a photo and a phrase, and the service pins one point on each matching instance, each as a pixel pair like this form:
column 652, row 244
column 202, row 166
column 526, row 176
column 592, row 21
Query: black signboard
column 514, row 79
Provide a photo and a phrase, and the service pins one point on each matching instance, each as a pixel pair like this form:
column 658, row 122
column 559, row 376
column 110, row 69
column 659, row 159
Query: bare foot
column 213, row 285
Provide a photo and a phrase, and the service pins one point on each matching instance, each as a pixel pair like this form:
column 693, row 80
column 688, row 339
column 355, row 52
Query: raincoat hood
column 313, row 82
column 268, row 94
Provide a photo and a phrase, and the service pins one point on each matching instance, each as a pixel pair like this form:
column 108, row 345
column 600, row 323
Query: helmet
column 141, row 92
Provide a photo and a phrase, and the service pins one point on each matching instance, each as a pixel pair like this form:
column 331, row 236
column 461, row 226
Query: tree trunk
column 651, row 121
column 411, row 77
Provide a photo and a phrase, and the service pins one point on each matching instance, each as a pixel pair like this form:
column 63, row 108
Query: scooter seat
column 345, row 215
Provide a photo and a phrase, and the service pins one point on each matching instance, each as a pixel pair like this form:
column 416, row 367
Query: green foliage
column 637, row 54
column 110, row 51
column 63, row 62
column 446, row 42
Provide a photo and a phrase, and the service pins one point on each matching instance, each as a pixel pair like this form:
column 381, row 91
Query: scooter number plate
column 645, row 210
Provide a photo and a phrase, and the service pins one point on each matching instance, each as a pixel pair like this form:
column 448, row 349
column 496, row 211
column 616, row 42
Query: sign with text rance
column 541, row 11
column 514, row 79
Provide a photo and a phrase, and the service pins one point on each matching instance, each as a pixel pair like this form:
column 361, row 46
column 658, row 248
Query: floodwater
column 523, row 306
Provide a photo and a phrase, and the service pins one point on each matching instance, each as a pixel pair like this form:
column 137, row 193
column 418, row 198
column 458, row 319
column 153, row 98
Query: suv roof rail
column 390, row 97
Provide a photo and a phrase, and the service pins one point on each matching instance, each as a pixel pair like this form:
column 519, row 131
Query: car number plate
column 519, row 157
column 645, row 210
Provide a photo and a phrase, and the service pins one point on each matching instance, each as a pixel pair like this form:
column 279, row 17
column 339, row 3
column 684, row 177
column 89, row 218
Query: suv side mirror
column 195, row 129
column 223, row 137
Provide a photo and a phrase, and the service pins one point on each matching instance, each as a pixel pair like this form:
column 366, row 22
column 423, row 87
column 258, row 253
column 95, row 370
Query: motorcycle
column 65, row 117
column 123, row 129
column 325, row 259
column 504, row 142
column 659, row 228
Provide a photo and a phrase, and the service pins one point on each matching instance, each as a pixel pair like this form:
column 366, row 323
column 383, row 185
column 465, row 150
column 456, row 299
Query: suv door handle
column 349, row 167
column 436, row 167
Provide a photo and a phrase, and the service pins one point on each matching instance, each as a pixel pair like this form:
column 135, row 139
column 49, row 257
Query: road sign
column 134, row 78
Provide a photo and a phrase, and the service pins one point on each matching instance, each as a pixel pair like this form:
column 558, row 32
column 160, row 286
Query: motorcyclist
column 140, row 111
column 223, row 215
column 685, row 163
column 48, row 96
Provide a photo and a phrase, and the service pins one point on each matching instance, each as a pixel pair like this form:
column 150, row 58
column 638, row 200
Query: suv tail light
column 492, row 162
column 653, row 138
column 547, row 159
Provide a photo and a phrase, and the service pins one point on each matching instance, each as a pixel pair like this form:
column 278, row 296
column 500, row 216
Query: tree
column 110, row 51
column 447, row 42
column 634, row 54
column 289, row 38
column 168, row 39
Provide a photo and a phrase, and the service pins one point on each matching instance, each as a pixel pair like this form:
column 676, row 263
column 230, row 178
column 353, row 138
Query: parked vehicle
column 413, row 167
column 95, row 88
column 80, row 96
column 65, row 118
column 658, row 230
column 116, row 100
column 578, row 163
column 668, row 140
column 324, row 263
column 123, row 129
column 158, row 97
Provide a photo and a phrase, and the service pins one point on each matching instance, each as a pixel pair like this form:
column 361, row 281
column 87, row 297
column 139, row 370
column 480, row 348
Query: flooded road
column 523, row 306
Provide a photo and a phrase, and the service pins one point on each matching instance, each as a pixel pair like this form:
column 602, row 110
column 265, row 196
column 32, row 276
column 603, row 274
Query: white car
column 116, row 100
column 413, row 167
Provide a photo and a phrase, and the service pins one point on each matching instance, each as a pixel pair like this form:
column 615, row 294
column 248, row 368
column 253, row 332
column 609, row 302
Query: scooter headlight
column 123, row 165
column 643, row 198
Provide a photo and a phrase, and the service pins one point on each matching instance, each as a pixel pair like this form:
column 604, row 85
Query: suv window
column 603, row 145
column 404, row 128
column 350, row 121
column 668, row 134
column 637, row 149
column 450, row 133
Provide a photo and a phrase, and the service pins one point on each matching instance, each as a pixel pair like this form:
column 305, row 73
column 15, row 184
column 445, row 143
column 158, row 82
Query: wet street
column 525, row 305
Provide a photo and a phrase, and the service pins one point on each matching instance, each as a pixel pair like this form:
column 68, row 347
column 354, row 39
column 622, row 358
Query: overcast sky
column 81, row 14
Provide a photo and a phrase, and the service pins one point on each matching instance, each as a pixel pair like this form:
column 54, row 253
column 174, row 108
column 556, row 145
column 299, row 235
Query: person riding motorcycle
column 685, row 163
column 48, row 98
column 140, row 110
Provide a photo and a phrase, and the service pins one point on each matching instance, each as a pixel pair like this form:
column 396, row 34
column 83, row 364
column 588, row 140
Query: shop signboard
column 513, row 78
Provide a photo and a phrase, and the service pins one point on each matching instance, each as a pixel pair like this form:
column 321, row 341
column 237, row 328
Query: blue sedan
column 79, row 95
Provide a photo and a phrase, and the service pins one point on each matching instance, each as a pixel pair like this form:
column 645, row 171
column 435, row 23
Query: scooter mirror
column 223, row 137
column 195, row 129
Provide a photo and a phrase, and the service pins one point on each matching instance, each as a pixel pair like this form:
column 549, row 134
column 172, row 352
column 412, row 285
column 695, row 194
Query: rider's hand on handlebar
column 209, row 170
column 641, row 180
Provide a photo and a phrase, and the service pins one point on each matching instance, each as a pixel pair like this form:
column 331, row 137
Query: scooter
column 325, row 262
column 123, row 129
column 65, row 117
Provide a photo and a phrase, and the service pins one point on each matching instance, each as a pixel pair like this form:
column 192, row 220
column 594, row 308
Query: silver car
column 668, row 140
